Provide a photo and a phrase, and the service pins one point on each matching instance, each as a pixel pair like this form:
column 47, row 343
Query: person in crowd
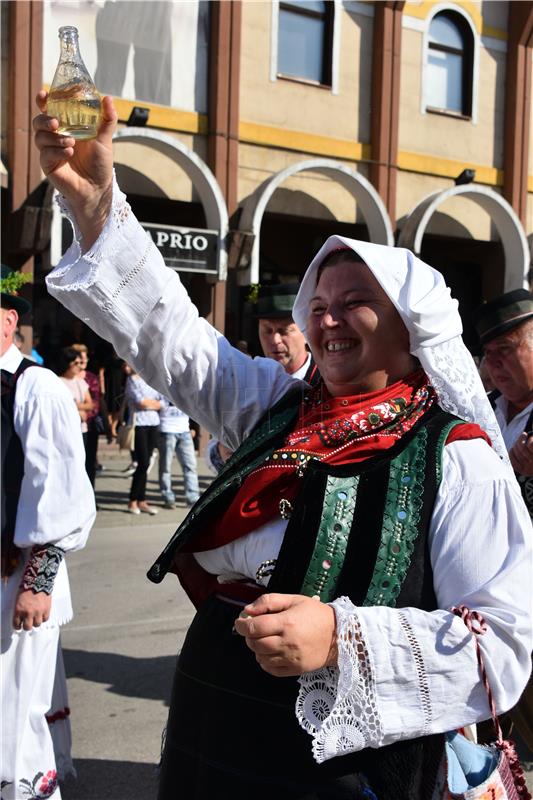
column 95, row 418
column 115, row 381
column 351, row 518
column 505, row 329
column 18, row 340
column 47, row 511
column 143, row 408
column 242, row 345
column 282, row 340
column 68, row 366
column 35, row 354
column 175, row 437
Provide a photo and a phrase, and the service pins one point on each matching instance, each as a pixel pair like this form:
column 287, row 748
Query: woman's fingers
column 267, row 646
column 41, row 100
column 54, row 157
column 42, row 123
column 258, row 627
column 109, row 118
column 45, row 138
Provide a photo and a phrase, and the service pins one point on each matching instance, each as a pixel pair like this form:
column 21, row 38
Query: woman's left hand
column 289, row 633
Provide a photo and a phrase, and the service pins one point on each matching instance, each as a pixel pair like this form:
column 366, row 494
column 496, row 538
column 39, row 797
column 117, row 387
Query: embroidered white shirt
column 417, row 671
column 56, row 503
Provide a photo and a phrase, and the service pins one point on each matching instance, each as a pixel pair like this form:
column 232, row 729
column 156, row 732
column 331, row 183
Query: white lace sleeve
column 82, row 271
column 405, row 672
column 338, row 706
column 123, row 290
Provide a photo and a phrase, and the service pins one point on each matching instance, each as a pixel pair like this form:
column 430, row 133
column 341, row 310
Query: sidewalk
column 113, row 485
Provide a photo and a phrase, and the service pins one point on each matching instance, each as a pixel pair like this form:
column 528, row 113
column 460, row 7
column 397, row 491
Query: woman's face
column 84, row 360
column 73, row 368
column 357, row 337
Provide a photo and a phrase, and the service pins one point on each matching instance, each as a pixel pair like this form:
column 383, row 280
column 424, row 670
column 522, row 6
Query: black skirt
column 232, row 732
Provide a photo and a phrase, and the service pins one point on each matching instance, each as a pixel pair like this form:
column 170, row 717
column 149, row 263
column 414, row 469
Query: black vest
column 12, row 466
column 376, row 514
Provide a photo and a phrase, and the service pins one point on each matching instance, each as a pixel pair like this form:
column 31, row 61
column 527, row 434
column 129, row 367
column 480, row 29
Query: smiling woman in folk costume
column 348, row 522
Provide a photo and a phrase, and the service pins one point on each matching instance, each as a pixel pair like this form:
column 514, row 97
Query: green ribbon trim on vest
column 401, row 518
column 445, row 432
column 332, row 539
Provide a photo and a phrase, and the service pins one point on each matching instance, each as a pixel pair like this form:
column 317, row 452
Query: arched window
column 449, row 71
column 305, row 37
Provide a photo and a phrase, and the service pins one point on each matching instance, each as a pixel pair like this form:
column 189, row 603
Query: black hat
column 502, row 314
column 10, row 283
column 276, row 302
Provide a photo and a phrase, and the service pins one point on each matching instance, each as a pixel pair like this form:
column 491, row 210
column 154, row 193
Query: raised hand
column 80, row 170
column 290, row 634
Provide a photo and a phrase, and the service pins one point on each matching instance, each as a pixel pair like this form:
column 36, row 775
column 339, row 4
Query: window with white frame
column 305, row 40
column 449, row 71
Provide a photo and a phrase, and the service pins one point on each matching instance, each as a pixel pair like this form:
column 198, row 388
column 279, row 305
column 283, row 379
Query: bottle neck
column 69, row 47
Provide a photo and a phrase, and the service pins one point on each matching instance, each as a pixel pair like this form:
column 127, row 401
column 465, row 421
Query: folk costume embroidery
column 336, row 430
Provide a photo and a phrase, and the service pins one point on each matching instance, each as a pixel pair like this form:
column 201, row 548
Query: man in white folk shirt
column 505, row 328
column 47, row 510
column 281, row 340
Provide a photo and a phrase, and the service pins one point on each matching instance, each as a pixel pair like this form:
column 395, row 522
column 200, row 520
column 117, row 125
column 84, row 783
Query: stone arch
column 507, row 224
column 368, row 200
column 205, row 183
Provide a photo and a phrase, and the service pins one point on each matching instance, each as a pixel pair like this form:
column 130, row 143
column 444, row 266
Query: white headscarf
column 421, row 297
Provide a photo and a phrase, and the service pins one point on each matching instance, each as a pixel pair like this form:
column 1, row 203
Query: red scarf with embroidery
column 335, row 430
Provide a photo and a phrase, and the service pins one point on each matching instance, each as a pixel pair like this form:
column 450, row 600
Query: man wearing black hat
column 47, row 509
column 505, row 328
column 280, row 337
column 281, row 340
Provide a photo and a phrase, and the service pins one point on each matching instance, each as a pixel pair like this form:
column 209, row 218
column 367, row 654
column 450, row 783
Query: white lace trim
column 82, row 267
column 453, row 375
column 423, row 681
column 338, row 706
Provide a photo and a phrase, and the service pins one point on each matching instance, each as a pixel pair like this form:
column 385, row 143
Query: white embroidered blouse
column 401, row 673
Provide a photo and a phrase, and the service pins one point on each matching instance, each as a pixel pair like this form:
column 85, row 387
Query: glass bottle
column 73, row 98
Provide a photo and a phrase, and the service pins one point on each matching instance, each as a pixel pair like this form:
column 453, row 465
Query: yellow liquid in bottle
column 78, row 111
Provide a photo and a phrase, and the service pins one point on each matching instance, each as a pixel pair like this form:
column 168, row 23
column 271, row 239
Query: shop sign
column 186, row 249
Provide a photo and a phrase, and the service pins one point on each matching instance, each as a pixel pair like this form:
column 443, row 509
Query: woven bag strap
column 478, row 627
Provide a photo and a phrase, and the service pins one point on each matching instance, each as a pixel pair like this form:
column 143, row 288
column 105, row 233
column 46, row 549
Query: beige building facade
column 271, row 125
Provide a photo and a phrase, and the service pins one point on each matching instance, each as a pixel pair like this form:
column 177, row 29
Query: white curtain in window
column 444, row 88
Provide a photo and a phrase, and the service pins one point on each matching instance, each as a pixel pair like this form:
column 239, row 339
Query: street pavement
column 121, row 646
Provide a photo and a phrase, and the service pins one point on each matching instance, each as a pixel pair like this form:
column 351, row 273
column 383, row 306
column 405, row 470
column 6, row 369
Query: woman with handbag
column 143, row 405
column 369, row 506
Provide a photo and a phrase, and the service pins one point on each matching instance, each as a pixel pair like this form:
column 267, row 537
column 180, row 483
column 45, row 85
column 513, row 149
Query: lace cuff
column 338, row 705
column 41, row 568
column 87, row 262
